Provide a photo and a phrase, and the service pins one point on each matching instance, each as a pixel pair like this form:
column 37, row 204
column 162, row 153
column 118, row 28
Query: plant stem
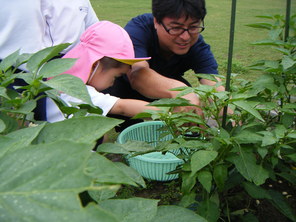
column 227, row 211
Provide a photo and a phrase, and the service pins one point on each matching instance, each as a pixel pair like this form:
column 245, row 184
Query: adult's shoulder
column 200, row 40
column 202, row 58
column 200, row 45
column 143, row 19
column 142, row 33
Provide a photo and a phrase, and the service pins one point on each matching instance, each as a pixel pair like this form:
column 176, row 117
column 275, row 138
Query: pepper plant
column 258, row 143
column 19, row 102
column 47, row 169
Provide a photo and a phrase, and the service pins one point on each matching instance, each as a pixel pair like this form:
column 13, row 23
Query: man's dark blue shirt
column 144, row 37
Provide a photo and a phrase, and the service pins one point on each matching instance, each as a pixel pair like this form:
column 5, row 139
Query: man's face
column 176, row 44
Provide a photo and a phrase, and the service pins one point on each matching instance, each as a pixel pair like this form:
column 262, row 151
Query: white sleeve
column 91, row 17
column 21, row 27
column 104, row 101
column 101, row 100
column 66, row 20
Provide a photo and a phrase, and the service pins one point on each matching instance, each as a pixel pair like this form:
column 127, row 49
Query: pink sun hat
column 101, row 39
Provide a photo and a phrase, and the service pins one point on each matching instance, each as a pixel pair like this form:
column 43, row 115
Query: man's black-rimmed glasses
column 179, row 31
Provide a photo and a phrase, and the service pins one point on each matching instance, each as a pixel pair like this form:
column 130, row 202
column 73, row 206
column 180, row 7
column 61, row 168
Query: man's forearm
column 153, row 85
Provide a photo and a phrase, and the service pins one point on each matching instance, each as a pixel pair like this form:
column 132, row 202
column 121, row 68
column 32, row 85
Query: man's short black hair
column 195, row 9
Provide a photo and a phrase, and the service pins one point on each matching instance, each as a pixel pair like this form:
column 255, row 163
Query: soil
column 266, row 210
column 168, row 193
column 263, row 209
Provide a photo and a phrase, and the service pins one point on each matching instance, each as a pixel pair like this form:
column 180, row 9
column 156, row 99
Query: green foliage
column 42, row 177
column 42, row 180
column 257, row 141
column 46, row 167
column 20, row 102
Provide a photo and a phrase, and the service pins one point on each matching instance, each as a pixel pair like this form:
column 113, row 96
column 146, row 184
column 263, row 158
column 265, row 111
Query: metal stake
column 230, row 52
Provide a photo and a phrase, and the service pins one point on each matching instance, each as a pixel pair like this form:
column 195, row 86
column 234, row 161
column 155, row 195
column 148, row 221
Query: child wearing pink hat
column 104, row 53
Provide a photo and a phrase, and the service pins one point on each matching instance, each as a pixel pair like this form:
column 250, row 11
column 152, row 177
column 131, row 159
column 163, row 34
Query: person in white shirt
column 22, row 26
column 66, row 20
column 32, row 25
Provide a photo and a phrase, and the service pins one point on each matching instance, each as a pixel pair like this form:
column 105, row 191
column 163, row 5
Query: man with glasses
column 171, row 37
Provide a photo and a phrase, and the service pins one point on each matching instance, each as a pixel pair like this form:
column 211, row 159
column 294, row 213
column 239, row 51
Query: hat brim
column 132, row 61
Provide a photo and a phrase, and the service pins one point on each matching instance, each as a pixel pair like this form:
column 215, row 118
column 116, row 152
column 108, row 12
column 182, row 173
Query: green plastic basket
column 155, row 165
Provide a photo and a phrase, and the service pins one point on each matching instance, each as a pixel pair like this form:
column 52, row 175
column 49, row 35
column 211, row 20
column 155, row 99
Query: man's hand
column 193, row 98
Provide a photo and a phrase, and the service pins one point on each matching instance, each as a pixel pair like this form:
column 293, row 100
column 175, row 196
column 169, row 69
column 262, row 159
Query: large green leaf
column 188, row 182
column 131, row 173
column 25, row 108
column 211, row 77
column 138, row 146
column 70, row 85
column 45, row 167
column 209, row 210
column 256, row 192
column 288, row 62
column 103, row 193
column 275, row 34
column 183, row 91
column 245, row 162
column 282, row 50
column 3, row 92
column 292, row 157
column 112, row 148
column 132, row 210
column 56, row 67
column 44, row 55
column 269, row 138
column 28, row 77
column 205, row 178
column 24, row 137
column 9, row 61
column 105, row 171
column 247, row 136
column 201, row 159
column 83, row 129
column 187, row 199
column 262, row 25
column 265, row 81
column 41, row 183
column 221, row 95
column 280, row 131
column 267, row 106
column 5, row 144
column 269, row 42
column 176, row 214
column 247, row 107
column 2, row 126
column 10, row 123
column 53, row 206
column 220, row 174
column 168, row 102
column 292, row 135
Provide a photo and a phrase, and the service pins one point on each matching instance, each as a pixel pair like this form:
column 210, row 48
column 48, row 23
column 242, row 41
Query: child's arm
column 130, row 107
